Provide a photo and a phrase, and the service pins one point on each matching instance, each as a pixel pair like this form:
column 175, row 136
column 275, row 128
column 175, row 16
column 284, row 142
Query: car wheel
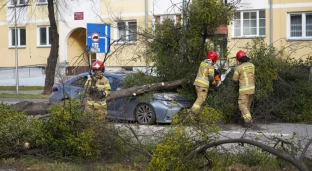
column 145, row 114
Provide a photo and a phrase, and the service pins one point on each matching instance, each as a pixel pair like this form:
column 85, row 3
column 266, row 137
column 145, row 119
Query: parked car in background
column 158, row 109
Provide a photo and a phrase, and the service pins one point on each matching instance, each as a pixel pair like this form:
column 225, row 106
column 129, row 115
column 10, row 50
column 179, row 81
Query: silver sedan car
column 160, row 108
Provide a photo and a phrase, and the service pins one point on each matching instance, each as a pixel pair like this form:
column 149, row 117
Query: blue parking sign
column 98, row 37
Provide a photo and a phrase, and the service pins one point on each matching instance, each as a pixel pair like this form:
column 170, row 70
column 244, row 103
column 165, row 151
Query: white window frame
column 242, row 28
column 303, row 26
column 18, row 3
column 116, row 32
column 42, row 3
column 18, row 37
column 47, row 34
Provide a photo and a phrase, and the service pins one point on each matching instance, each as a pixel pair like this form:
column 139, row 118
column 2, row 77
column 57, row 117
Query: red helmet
column 212, row 55
column 98, row 65
column 240, row 54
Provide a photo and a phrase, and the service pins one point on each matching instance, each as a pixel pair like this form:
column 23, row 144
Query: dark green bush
column 138, row 79
column 16, row 130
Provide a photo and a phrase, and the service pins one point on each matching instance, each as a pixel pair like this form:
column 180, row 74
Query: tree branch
column 297, row 163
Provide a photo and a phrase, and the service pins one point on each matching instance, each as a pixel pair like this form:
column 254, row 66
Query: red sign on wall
column 78, row 16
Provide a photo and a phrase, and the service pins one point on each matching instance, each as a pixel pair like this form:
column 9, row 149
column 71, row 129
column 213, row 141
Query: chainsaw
column 223, row 75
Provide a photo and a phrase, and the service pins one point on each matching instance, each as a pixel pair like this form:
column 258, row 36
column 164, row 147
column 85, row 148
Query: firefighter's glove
column 92, row 90
column 89, row 78
column 101, row 94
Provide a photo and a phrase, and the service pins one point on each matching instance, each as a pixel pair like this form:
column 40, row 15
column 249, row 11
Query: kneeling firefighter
column 98, row 87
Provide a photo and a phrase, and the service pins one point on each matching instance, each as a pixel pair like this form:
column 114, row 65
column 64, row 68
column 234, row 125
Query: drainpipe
column 271, row 24
column 146, row 28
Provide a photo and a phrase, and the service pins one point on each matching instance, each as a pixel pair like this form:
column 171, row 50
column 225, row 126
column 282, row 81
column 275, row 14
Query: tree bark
column 133, row 91
column 52, row 59
column 298, row 163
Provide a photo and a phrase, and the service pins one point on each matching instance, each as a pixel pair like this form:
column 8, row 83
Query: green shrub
column 69, row 132
column 138, row 79
column 172, row 153
column 16, row 129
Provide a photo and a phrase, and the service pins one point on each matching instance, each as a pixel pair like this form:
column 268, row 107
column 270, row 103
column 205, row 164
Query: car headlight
column 169, row 103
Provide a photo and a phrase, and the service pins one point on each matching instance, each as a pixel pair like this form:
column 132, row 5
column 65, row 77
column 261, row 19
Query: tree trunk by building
column 52, row 59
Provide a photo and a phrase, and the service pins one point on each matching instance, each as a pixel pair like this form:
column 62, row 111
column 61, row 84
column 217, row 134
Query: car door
column 118, row 108
column 76, row 87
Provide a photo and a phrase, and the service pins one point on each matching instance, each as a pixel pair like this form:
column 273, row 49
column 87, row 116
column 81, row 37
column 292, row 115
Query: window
column 43, row 2
column 249, row 24
column 175, row 18
column 127, row 31
column 43, row 36
column 18, row 2
column 21, row 37
column 299, row 25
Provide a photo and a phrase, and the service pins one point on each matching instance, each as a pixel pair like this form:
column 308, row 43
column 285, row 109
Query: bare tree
column 52, row 59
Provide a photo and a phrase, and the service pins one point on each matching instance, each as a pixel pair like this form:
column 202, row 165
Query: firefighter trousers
column 202, row 93
column 244, row 103
column 99, row 109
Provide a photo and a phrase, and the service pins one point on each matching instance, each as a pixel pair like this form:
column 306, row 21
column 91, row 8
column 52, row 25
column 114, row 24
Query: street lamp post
column 16, row 52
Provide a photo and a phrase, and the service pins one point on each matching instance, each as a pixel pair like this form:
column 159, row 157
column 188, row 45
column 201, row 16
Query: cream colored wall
column 2, row 13
column 127, row 55
column 123, row 7
column 30, row 55
column 39, row 12
column 297, row 49
column 26, row 56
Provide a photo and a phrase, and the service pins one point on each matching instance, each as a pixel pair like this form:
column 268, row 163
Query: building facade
column 286, row 24
column 280, row 22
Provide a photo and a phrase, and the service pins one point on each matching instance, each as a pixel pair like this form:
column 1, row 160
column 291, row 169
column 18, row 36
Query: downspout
column 271, row 24
column 146, row 29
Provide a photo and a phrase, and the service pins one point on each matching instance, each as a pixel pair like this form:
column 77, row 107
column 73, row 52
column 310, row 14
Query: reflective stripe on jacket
column 205, row 69
column 96, row 103
column 101, row 85
column 244, row 73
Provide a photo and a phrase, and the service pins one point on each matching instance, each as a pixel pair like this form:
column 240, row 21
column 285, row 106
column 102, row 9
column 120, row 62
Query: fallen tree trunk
column 137, row 90
column 41, row 108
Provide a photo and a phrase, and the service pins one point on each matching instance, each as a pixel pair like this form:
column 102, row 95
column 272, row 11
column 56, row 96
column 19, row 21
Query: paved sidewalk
column 21, row 92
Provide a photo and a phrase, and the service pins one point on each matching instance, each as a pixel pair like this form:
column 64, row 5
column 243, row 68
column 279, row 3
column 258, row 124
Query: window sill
column 18, row 47
column 125, row 43
column 44, row 46
column 19, row 5
column 299, row 39
column 248, row 37
column 41, row 4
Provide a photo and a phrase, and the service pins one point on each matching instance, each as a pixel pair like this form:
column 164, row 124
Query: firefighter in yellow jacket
column 205, row 77
column 98, row 88
column 244, row 77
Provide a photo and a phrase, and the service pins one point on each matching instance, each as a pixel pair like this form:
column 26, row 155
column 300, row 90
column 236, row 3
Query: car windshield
column 115, row 80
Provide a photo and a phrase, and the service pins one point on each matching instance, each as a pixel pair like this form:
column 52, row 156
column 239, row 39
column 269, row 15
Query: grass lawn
column 21, row 88
column 33, row 164
column 24, row 96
